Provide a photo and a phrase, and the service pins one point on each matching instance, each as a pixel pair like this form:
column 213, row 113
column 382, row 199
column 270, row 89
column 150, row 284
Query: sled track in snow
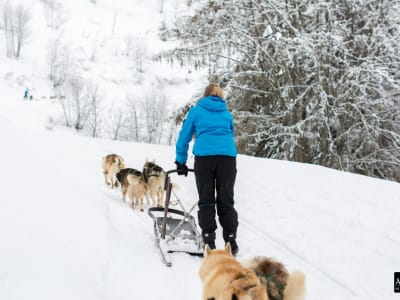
column 250, row 227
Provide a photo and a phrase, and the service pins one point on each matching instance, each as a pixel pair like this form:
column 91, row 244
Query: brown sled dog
column 126, row 175
column 224, row 278
column 279, row 283
column 112, row 164
column 137, row 191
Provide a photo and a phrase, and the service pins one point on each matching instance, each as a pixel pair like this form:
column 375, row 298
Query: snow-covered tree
column 16, row 20
column 147, row 119
column 60, row 64
column 136, row 47
column 81, row 105
column 134, row 119
column 311, row 81
column 54, row 13
column 95, row 119
column 155, row 117
column 117, row 118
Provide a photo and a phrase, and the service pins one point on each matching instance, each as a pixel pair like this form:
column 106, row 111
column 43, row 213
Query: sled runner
column 175, row 230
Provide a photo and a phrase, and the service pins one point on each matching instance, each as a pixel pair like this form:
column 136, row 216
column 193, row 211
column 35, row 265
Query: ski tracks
column 130, row 238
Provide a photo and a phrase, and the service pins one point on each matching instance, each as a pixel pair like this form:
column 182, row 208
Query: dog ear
column 207, row 250
column 228, row 248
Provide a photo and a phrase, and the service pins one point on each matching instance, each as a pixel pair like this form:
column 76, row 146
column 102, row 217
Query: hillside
column 66, row 235
column 108, row 47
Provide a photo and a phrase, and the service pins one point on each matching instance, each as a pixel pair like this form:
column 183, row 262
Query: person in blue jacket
column 26, row 94
column 215, row 164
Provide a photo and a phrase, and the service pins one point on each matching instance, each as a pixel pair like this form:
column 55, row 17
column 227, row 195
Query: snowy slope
column 65, row 235
column 101, row 42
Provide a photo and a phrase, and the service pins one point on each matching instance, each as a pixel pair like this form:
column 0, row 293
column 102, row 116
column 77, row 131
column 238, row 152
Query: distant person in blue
column 215, row 164
column 26, row 94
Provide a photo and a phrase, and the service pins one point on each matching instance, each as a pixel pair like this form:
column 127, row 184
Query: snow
column 66, row 235
column 97, row 38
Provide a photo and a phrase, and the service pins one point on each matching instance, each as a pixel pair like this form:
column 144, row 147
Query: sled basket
column 175, row 230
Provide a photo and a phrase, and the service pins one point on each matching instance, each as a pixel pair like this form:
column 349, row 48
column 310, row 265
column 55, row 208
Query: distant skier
column 26, row 94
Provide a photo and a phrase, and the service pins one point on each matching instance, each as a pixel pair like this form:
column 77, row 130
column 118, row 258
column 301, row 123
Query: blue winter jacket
column 212, row 124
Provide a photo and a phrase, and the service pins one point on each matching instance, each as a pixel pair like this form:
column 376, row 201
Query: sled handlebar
column 175, row 171
column 170, row 172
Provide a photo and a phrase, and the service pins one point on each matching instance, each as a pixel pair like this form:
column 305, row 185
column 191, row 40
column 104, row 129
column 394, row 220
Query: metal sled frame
column 172, row 225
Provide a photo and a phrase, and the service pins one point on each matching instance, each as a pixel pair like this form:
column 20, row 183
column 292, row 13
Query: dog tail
column 133, row 179
column 175, row 186
column 295, row 288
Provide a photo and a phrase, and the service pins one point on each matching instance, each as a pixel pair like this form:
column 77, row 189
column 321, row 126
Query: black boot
column 231, row 239
column 209, row 239
column 234, row 247
column 211, row 245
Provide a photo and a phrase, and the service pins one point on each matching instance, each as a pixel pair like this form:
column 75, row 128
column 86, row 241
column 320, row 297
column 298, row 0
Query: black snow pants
column 215, row 180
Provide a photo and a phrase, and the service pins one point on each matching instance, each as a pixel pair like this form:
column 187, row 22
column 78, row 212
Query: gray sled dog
column 154, row 177
column 224, row 278
column 112, row 164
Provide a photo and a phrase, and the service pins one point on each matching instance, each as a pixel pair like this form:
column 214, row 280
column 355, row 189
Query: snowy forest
column 308, row 81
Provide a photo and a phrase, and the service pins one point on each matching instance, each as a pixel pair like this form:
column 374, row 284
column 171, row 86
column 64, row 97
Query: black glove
column 181, row 169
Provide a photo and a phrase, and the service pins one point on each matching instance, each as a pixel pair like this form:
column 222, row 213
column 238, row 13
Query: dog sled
column 175, row 230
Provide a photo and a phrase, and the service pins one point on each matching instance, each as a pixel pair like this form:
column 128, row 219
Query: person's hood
column 213, row 103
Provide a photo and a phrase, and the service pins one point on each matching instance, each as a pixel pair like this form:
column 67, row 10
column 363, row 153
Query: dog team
column 137, row 185
column 222, row 275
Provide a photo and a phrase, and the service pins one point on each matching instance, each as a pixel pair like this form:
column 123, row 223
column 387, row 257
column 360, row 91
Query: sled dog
column 280, row 284
column 112, row 164
column 137, row 190
column 224, row 278
column 154, row 176
column 125, row 176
